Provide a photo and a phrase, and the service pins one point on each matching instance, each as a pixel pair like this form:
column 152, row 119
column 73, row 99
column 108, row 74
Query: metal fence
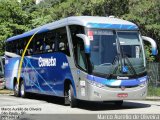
column 154, row 79
column 153, row 70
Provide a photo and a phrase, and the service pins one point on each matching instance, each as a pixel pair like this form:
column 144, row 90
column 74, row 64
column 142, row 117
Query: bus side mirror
column 86, row 42
column 153, row 44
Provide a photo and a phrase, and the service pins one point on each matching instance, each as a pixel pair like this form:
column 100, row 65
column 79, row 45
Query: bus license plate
column 122, row 95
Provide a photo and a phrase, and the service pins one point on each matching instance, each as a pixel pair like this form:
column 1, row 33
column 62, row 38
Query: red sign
column 122, row 95
column 90, row 35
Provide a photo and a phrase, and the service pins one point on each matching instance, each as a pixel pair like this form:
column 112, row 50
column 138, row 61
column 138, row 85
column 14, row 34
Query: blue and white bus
column 79, row 58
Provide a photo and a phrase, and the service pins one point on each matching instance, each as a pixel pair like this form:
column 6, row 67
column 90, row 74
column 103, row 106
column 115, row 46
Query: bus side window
column 49, row 42
column 78, row 46
column 63, row 45
column 80, row 52
column 30, row 47
column 39, row 42
column 17, row 48
column 13, row 47
column 22, row 43
column 8, row 47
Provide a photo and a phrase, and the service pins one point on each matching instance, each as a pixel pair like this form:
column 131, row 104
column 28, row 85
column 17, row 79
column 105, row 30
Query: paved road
column 36, row 104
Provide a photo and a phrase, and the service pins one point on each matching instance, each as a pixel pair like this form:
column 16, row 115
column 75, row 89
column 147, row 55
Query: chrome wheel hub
column 16, row 88
column 22, row 89
column 69, row 95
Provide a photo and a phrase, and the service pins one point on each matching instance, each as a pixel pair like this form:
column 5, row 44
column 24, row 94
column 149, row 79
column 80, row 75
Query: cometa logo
column 42, row 62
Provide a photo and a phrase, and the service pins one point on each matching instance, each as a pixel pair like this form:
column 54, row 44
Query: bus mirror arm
column 86, row 42
column 153, row 44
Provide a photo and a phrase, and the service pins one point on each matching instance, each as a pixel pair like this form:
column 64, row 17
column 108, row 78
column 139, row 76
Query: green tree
column 145, row 13
column 13, row 20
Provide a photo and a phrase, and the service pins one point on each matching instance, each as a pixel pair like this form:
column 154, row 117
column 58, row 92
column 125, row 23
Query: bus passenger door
column 80, row 60
column 82, row 68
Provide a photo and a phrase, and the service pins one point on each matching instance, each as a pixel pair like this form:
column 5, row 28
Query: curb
column 153, row 98
column 6, row 92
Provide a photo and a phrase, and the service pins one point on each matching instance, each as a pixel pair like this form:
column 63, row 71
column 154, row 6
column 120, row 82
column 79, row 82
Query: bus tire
column 119, row 103
column 23, row 94
column 72, row 99
column 66, row 99
column 16, row 90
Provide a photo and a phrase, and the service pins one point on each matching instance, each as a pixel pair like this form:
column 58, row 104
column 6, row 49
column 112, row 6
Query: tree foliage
column 16, row 18
column 146, row 14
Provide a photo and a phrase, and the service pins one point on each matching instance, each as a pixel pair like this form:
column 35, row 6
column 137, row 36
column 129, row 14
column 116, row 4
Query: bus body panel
column 42, row 73
column 50, row 80
column 115, row 89
column 96, row 88
column 11, row 71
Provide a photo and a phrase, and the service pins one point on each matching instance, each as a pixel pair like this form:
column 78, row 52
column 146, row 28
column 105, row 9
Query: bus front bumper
column 110, row 94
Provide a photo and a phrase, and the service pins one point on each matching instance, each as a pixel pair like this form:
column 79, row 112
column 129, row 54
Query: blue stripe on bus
column 112, row 26
column 115, row 82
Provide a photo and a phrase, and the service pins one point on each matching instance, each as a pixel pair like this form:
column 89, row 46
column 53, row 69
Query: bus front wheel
column 22, row 90
column 71, row 98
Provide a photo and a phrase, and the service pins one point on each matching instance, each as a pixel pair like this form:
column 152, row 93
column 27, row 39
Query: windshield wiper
column 117, row 65
column 129, row 64
column 116, row 62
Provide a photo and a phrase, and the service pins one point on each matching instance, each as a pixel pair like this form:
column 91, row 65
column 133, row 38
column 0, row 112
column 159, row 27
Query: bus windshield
column 110, row 50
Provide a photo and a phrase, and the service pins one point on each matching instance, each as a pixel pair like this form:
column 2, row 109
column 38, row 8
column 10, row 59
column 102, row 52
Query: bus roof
column 87, row 21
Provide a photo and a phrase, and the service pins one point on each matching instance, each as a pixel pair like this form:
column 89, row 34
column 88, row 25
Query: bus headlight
column 96, row 83
column 142, row 84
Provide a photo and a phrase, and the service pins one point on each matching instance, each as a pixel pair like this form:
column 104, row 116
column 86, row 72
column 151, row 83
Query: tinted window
column 39, row 43
column 12, row 47
column 78, row 46
column 42, row 43
column 61, row 36
column 50, row 42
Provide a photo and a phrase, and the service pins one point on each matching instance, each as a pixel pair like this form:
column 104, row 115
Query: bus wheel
column 22, row 90
column 118, row 103
column 16, row 90
column 71, row 98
